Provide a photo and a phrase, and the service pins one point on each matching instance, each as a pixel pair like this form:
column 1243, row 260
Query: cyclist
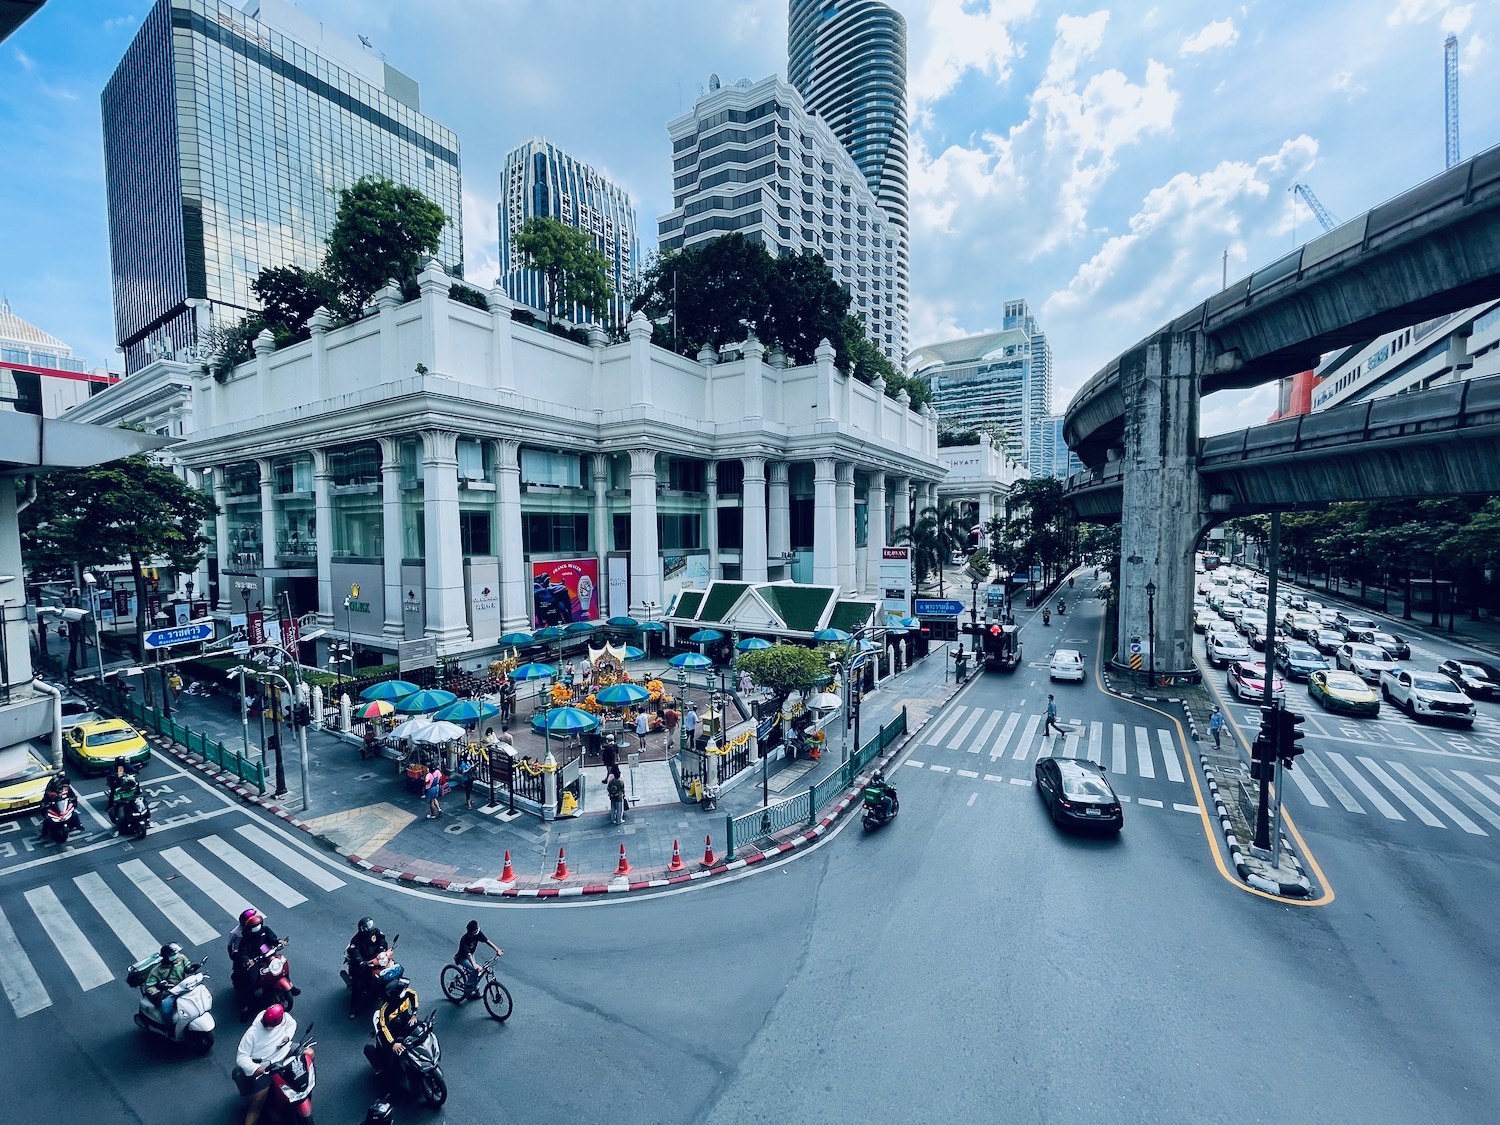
column 472, row 938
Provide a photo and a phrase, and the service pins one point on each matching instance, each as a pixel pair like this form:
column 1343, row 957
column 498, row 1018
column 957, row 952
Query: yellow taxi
column 96, row 746
column 23, row 780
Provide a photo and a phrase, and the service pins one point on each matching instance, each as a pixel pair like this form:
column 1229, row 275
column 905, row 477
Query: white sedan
column 1067, row 664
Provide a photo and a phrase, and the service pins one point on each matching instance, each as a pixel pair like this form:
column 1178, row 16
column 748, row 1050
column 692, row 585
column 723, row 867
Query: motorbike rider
column 398, row 1015
column 367, row 943
column 265, row 1042
column 1062, row 608
column 118, row 781
column 255, row 937
column 1070, row 581
column 1046, row 617
column 58, row 791
column 878, row 795
column 170, row 970
column 472, row 937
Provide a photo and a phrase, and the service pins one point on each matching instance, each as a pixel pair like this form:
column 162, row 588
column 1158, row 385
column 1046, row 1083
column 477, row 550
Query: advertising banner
column 895, row 580
column 255, row 632
column 153, row 607
column 239, row 629
column 180, row 612
column 122, row 603
column 200, row 609
column 619, row 585
column 290, row 636
column 564, row 592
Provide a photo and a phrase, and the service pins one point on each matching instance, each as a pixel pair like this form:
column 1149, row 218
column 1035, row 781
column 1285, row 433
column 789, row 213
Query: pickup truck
column 1427, row 695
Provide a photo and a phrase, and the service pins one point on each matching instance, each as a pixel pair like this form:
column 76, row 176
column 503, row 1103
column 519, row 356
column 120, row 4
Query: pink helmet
column 272, row 1016
column 248, row 916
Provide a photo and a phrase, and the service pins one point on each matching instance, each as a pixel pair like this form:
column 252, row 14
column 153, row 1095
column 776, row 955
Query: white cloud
column 481, row 237
column 954, row 40
column 1416, row 11
column 1220, row 33
column 26, row 61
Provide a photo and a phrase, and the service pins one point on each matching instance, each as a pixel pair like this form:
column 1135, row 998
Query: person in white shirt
column 266, row 1041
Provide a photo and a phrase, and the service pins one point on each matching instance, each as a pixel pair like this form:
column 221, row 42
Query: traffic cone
column 507, row 875
column 624, row 865
column 709, row 859
column 676, row 864
column 562, row 865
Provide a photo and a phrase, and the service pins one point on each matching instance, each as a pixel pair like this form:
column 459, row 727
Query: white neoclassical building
column 472, row 475
column 981, row 476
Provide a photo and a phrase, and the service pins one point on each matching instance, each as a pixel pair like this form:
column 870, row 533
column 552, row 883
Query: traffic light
column 1263, row 750
column 1288, row 736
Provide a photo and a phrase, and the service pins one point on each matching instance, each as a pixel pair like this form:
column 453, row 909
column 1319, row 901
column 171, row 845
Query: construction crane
column 1328, row 221
column 1450, row 99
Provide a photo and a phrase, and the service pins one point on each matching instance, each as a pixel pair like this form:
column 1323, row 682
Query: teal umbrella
column 623, row 622
column 550, row 633
column 832, row 635
column 578, row 628
column 565, row 720
column 424, row 701
column 633, row 653
column 521, row 638
column 653, row 627
column 690, row 660
column 389, row 690
column 533, row 671
column 467, row 711
column 622, row 695
column 753, row 644
column 706, row 636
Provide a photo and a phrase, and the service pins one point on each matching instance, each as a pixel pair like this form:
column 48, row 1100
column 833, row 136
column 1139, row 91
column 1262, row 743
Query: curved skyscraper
column 847, row 58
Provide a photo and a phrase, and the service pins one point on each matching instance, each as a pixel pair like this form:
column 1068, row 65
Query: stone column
column 645, row 554
column 446, row 616
column 502, row 347
column 641, row 394
column 392, row 547
column 267, row 519
column 711, row 526
column 323, row 541
column 900, row 502
column 434, row 283
column 844, row 478
column 875, row 523
column 599, row 474
column 779, row 533
column 513, row 582
column 317, row 326
column 754, row 352
column 753, row 544
column 221, row 539
column 825, row 523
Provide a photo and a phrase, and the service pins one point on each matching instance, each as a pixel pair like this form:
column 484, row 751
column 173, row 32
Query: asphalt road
column 967, row 962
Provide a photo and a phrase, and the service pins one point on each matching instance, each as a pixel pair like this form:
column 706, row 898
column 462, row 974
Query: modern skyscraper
column 228, row 135
column 541, row 179
column 1047, row 452
column 749, row 158
column 847, row 58
column 1039, row 376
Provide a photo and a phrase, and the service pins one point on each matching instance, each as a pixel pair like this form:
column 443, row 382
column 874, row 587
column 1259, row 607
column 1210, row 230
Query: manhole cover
column 365, row 777
column 457, row 829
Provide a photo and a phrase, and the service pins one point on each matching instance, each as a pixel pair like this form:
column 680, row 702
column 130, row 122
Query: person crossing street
column 1052, row 723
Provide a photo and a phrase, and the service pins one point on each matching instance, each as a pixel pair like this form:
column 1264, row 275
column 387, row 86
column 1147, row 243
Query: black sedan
column 1077, row 792
column 1394, row 646
column 1471, row 677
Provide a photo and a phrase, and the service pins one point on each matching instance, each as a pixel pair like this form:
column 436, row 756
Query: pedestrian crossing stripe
column 1426, row 793
column 75, row 934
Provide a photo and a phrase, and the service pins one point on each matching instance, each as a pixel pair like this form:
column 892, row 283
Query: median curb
column 1301, row 887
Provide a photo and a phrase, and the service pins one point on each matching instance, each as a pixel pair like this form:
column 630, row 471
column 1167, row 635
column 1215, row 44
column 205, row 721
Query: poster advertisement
column 256, row 628
column 564, row 592
column 239, row 629
column 180, row 612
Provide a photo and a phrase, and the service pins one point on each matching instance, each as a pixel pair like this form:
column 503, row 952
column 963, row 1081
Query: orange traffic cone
column 624, row 865
column 507, row 875
column 676, row 864
column 709, row 859
column 562, row 865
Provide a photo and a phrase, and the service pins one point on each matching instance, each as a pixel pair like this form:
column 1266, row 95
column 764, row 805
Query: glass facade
column 355, row 498
column 226, row 144
column 242, row 515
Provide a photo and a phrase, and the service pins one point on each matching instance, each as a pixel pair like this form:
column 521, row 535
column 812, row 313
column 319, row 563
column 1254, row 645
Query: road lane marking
column 984, row 735
column 127, row 927
column 1458, row 791
column 998, row 749
column 967, row 773
column 1020, row 781
column 229, row 900
column 943, row 727
column 963, row 732
column 1096, row 742
column 77, row 952
column 940, row 769
column 1024, row 747
column 1306, row 788
column 914, row 764
column 1155, row 804
column 1387, row 809
column 1070, row 744
column 971, row 800
column 1185, row 808
column 993, row 777
column 165, row 899
column 1330, row 779
column 1419, row 810
column 315, row 873
column 1118, row 761
column 270, row 884
column 23, row 988
column 102, row 821
column 1479, row 786
column 1143, row 752
column 1169, row 755
column 1444, row 806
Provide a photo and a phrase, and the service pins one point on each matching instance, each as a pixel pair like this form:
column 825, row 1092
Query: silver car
column 1225, row 647
column 1366, row 661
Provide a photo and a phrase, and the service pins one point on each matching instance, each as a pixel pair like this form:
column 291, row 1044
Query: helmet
column 879, row 777
column 397, row 988
column 473, row 926
column 248, row 916
column 272, row 1016
column 170, row 950
column 367, row 925
column 379, row 1114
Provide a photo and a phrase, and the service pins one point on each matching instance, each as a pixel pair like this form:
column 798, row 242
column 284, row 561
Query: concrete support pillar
column 434, row 283
column 1161, row 517
column 844, row 483
column 779, row 531
column 753, row 544
column 875, row 524
column 323, row 540
column 645, row 554
column 388, row 301
column 394, row 626
column 221, row 539
column 447, row 619
column 900, row 502
column 265, row 348
column 825, row 523
column 267, row 518
column 827, row 381
column 502, row 340
column 711, row 519
column 514, row 612
column 639, row 330
column 599, row 476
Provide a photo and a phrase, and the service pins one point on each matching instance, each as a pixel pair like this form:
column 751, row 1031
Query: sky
column 1111, row 165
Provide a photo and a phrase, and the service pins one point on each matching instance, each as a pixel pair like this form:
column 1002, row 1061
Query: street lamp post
column 974, row 616
column 166, row 696
column 93, row 585
column 1151, row 634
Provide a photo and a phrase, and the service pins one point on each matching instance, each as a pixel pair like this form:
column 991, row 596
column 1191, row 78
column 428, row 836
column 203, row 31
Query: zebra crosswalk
column 1011, row 736
column 100, row 921
column 1467, row 799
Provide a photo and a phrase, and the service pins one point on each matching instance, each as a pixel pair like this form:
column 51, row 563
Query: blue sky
column 1097, row 161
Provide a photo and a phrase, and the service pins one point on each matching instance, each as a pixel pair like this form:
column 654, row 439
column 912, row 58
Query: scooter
column 875, row 817
column 292, row 1080
column 272, row 974
column 1046, row 617
column 415, row 1070
column 61, row 820
column 130, row 813
column 373, row 974
column 1062, row 608
column 192, row 1019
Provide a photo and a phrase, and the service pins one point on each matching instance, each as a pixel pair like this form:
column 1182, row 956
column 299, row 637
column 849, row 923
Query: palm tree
column 925, row 543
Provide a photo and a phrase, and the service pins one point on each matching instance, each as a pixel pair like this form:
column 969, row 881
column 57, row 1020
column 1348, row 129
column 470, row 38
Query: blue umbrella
column 578, row 628
column 533, row 671
column 424, row 701
column 633, row 653
column 389, row 690
column 467, row 711
column 832, row 635
column 690, row 660
column 622, row 695
column 521, row 638
column 753, row 644
column 565, row 720
column 706, row 636
column 623, row 622
column 653, row 627
column 550, row 633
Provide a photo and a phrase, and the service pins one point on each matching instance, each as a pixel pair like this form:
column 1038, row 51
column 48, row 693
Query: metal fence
column 194, row 742
column 803, row 808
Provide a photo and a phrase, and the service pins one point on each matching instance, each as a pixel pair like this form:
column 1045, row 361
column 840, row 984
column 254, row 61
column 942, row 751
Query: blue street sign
column 939, row 607
column 180, row 635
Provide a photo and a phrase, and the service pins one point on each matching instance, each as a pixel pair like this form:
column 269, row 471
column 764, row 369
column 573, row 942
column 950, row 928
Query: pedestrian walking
column 745, row 682
column 642, row 727
column 669, row 719
column 1216, row 726
column 174, row 681
column 433, row 786
column 507, row 703
column 466, row 775
column 1052, row 723
column 609, row 751
column 690, row 723
column 615, row 788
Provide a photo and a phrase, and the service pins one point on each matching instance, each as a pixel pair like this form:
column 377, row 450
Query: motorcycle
column 271, row 977
column 415, row 1070
column 191, row 1021
column 373, row 975
column 61, row 820
column 1046, row 617
column 292, row 1080
column 1070, row 582
column 130, row 813
column 875, row 816
column 1062, row 608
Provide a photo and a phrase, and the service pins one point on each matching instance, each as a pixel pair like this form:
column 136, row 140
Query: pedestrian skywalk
column 1009, row 736
column 84, row 931
column 1440, row 797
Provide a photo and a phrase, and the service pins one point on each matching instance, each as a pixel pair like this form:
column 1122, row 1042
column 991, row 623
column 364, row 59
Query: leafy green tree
column 134, row 508
column 783, row 669
column 922, row 536
column 575, row 272
column 806, row 305
column 1043, row 522
column 382, row 230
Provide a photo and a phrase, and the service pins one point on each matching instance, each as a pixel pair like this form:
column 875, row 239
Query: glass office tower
column 228, row 135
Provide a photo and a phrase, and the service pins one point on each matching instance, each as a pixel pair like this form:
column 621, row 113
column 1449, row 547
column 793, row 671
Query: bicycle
column 497, row 1001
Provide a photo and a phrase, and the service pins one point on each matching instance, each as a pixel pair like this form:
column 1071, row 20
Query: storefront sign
column 564, row 592
column 255, row 628
column 895, row 580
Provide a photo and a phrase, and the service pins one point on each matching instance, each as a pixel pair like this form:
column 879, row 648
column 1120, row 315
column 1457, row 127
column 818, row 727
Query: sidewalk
column 363, row 811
